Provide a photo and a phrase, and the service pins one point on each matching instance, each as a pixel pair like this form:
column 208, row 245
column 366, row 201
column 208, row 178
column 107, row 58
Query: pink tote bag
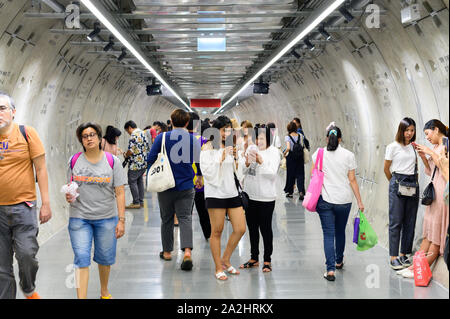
column 315, row 185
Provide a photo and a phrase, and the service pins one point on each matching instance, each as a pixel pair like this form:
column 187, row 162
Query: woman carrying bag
column 335, row 202
column 401, row 170
column 435, row 220
column 218, row 163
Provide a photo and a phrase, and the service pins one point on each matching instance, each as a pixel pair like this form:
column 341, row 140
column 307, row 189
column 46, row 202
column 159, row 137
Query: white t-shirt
column 403, row 158
column 336, row 165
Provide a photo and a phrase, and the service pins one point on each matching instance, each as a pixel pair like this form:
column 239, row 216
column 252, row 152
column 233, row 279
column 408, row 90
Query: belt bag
column 408, row 189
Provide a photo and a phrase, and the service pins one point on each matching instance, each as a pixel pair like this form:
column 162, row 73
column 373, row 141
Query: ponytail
column 334, row 134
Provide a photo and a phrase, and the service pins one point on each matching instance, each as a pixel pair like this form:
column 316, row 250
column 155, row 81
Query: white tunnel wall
column 58, row 86
column 55, row 97
column 406, row 75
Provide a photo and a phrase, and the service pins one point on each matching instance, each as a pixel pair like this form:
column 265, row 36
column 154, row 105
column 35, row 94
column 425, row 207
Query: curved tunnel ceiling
column 366, row 79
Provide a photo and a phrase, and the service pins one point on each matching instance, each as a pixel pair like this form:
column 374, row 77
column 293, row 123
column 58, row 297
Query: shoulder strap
column 110, row 159
column 23, row 130
column 434, row 173
column 163, row 144
column 319, row 158
column 293, row 141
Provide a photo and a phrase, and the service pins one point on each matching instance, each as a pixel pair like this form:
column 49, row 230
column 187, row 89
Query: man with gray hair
column 20, row 150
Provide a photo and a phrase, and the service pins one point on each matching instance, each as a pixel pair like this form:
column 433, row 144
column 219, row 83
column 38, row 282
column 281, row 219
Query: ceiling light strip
column 322, row 16
column 119, row 36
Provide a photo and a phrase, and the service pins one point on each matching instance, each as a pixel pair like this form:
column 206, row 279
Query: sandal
column 249, row 264
column 231, row 270
column 107, row 297
column 161, row 255
column 221, row 275
column 329, row 277
column 267, row 267
column 340, row 266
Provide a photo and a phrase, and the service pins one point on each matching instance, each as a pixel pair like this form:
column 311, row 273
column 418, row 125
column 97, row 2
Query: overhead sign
column 206, row 103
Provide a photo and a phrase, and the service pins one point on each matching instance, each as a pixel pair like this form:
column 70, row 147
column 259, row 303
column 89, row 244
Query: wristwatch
column 122, row 219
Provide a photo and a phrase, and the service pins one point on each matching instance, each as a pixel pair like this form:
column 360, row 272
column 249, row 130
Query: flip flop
column 267, row 267
column 249, row 265
column 231, row 270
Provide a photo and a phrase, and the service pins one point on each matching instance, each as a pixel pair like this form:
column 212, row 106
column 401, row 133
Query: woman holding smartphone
column 435, row 221
column 401, row 169
column 218, row 161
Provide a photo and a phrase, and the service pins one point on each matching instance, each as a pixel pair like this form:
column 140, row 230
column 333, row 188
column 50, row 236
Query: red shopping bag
column 422, row 271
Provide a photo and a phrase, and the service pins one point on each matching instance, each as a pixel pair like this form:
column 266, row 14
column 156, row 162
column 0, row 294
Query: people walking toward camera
column 138, row 149
column 335, row 202
column 97, row 215
column 20, row 150
column 218, row 161
column 260, row 185
column 401, row 170
column 435, row 220
column 179, row 199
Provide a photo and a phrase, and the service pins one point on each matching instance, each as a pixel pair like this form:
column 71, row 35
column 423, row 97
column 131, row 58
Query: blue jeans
column 83, row 231
column 334, row 219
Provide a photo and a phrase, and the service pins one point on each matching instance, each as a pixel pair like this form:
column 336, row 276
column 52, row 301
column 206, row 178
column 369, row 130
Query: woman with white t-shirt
column 335, row 202
column 400, row 168
column 217, row 159
column 261, row 187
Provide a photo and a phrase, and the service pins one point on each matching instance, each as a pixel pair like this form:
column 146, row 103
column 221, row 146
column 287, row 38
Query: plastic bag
column 71, row 189
column 367, row 236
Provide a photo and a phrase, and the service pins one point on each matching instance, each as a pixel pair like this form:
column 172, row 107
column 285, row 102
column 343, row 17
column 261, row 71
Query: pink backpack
column 315, row 185
column 75, row 158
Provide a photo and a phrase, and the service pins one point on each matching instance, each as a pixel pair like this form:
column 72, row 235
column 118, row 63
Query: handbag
column 409, row 189
column 242, row 195
column 160, row 177
column 315, row 185
column 306, row 156
column 429, row 193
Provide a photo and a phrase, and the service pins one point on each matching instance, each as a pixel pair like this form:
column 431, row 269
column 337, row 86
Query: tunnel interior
column 367, row 77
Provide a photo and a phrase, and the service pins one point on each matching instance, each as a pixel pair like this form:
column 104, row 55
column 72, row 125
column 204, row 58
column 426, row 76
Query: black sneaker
column 396, row 264
column 405, row 261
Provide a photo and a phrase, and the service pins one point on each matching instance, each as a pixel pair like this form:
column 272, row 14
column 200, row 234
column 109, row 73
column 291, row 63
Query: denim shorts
column 102, row 232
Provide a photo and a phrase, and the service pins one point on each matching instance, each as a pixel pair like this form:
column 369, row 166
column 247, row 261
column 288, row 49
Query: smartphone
column 445, row 142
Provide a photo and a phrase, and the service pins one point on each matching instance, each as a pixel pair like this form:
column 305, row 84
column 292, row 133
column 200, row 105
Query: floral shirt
column 138, row 144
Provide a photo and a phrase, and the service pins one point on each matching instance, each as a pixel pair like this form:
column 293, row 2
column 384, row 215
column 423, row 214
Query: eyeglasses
column 86, row 136
column 4, row 108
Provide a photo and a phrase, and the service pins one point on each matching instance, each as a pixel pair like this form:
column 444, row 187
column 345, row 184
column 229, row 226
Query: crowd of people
column 224, row 169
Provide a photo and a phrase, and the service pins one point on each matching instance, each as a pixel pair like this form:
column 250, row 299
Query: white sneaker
column 408, row 274
column 401, row 272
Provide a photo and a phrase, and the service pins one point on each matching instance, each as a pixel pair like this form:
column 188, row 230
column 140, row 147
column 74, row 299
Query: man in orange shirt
column 18, row 218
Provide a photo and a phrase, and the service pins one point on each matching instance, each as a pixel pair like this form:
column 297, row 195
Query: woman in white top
column 400, row 168
column 218, row 161
column 262, row 191
column 334, row 204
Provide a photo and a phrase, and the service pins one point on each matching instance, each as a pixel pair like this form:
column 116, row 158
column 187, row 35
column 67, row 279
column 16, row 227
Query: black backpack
column 297, row 149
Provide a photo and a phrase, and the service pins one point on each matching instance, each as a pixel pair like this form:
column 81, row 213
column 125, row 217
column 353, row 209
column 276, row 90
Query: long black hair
column 221, row 122
column 267, row 135
column 333, row 134
column 431, row 125
column 111, row 134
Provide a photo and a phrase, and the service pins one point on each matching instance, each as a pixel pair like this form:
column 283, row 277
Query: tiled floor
column 298, row 265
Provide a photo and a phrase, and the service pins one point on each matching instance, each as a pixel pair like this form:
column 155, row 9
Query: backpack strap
column 110, row 159
column 23, row 130
column 73, row 160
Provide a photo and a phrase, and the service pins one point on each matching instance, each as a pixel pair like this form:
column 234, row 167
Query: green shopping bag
column 367, row 236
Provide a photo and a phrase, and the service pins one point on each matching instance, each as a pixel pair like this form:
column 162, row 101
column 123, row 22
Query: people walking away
column 110, row 140
column 218, row 161
column 262, row 191
column 179, row 199
column 435, row 220
column 137, row 152
column 199, row 198
column 21, row 150
column 97, row 214
column 335, row 202
column 300, row 131
column 401, row 170
column 294, row 162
